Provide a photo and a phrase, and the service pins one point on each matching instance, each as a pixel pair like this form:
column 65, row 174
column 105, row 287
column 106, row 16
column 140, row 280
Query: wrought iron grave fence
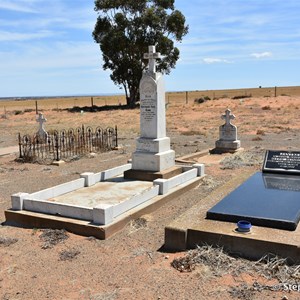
column 64, row 144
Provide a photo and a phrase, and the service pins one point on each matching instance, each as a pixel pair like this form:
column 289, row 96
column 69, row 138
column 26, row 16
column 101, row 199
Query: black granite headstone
column 268, row 200
column 287, row 162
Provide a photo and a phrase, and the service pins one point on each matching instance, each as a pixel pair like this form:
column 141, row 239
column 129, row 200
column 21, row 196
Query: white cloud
column 42, row 58
column 18, row 6
column 6, row 36
column 210, row 60
column 261, row 55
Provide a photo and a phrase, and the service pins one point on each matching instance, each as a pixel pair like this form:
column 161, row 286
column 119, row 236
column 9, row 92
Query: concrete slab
column 192, row 157
column 112, row 191
column 192, row 229
column 30, row 219
column 204, row 157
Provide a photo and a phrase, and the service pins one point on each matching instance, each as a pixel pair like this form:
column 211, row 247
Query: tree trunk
column 133, row 98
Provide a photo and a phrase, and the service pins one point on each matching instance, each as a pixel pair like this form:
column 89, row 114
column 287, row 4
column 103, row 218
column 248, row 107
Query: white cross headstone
column 153, row 151
column 228, row 141
column 228, row 117
column 41, row 120
column 152, row 56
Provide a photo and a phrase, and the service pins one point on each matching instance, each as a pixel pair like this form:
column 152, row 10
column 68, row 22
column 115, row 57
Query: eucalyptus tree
column 124, row 30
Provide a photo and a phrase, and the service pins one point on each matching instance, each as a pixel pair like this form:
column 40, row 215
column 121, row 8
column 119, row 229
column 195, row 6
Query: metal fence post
column 56, row 146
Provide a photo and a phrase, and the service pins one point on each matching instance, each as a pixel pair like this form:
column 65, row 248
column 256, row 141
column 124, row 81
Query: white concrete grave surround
column 153, row 151
column 228, row 133
column 104, row 212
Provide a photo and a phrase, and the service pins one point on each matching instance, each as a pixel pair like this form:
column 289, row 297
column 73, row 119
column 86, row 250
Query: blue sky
column 46, row 47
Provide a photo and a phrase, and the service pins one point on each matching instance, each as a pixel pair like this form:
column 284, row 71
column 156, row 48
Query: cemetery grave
column 99, row 203
column 228, row 141
column 57, row 146
column 133, row 252
column 267, row 202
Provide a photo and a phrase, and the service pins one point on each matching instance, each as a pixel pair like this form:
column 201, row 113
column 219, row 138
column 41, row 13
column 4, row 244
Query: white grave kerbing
column 153, row 151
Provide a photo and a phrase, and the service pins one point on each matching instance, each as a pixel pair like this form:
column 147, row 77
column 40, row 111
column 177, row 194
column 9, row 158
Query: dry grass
column 260, row 132
column 184, row 97
column 52, row 237
column 60, row 103
column 6, row 241
column 219, row 264
column 68, row 254
column 190, row 96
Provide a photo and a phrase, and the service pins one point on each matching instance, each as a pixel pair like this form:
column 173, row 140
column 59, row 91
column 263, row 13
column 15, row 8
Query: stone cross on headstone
column 228, row 117
column 153, row 152
column 228, row 141
column 42, row 132
column 152, row 56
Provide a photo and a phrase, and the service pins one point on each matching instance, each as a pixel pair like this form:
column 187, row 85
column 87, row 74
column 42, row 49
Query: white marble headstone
column 42, row 133
column 153, row 146
column 228, row 133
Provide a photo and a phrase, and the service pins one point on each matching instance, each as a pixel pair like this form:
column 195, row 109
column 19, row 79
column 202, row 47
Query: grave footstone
column 228, row 141
column 153, row 153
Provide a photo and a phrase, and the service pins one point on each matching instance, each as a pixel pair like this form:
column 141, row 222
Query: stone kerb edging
column 102, row 214
column 53, row 208
column 92, row 178
column 190, row 172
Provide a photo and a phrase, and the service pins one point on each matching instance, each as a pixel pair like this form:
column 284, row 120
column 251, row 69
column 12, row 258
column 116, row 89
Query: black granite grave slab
column 268, row 200
column 286, row 162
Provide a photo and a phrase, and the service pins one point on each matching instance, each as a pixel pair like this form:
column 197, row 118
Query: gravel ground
column 132, row 264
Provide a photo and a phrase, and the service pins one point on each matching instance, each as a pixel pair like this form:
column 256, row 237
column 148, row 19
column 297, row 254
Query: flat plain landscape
column 133, row 263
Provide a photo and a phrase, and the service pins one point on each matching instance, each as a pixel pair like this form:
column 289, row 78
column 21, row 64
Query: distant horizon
column 123, row 94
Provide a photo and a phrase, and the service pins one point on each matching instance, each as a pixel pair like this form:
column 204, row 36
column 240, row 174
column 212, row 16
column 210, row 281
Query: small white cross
column 41, row 119
column 152, row 56
column 228, row 117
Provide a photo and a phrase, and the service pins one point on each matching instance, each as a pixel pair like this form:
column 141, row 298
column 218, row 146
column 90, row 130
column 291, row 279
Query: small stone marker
column 287, row 162
column 42, row 133
column 153, row 153
column 228, row 141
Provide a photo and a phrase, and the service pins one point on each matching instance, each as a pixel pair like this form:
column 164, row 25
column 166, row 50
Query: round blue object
column 244, row 226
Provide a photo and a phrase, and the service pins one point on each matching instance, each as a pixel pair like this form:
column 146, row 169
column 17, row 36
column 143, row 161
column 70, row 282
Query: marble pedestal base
column 228, row 145
column 153, row 155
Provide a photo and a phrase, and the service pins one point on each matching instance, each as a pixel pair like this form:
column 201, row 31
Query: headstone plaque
column 287, row 162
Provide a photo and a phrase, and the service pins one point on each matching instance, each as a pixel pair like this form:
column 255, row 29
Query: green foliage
column 124, row 30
